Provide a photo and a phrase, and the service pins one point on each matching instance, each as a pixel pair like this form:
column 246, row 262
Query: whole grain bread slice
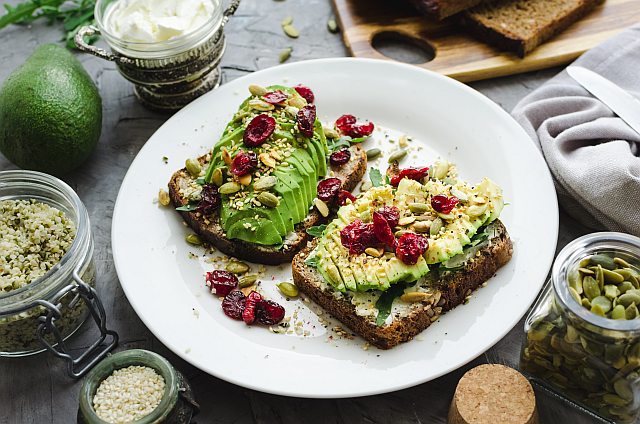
column 522, row 25
column 453, row 287
column 444, row 8
column 210, row 231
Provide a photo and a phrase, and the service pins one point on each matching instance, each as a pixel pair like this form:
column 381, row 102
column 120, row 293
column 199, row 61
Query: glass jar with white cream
column 170, row 49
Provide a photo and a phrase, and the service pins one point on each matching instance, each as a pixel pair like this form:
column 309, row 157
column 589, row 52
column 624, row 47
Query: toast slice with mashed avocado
column 253, row 195
column 405, row 252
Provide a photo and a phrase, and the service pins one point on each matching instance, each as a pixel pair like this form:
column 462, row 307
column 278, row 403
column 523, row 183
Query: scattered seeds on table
column 287, row 21
column 291, row 31
column 288, row 289
column 397, row 156
column 332, row 26
column 163, row 197
column 285, row 54
column 373, row 153
column 193, row 239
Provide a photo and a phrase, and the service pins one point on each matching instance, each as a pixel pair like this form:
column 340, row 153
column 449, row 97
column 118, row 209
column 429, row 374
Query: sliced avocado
column 230, row 216
column 321, row 152
column 305, row 174
column 341, row 262
column 327, row 268
column 259, row 231
column 288, row 180
column 305, row 157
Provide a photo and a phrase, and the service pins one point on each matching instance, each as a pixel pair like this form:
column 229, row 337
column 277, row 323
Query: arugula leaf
column 376, row 177
column 312, row 261
column 385, row 302
column 189, row 207
column 200, row 181
column 480, row 236
column 357, row 140
column 335, row 145
column 317, row 230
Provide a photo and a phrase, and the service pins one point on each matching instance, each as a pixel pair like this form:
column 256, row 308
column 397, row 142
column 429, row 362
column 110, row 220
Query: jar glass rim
column 580, row 248
column 80, row 243
column 148, row 49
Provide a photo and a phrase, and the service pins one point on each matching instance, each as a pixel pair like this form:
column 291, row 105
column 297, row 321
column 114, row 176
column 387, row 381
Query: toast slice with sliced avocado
column 253, row 195
column 405, row 252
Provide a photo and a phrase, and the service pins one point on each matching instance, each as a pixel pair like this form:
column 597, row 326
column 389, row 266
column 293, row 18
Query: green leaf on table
column 376, row 177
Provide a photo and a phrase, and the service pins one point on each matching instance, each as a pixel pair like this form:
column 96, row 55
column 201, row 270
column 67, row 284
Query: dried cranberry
column 269, row 312
column 328, row 189
column 443, row 204
column 259, row 130
column 382, row 230
column 410, row 247
column 306, row 120
column 391, row 214
column 275, row 97
column 348, row 125
column 340, row 157
column 221, row 282
column 233, row 304
column 249, row 313
column 343, row 195
column 244, row 163
column 412, row 173
column 210, row 200
column 357, row 236
column 305, row 92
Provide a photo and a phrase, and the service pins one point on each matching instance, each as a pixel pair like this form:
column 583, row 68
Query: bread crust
column 444, row 8
column 454, row 288
column 210, row 231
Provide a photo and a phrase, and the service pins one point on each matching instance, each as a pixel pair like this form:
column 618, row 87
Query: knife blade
column 621, row 102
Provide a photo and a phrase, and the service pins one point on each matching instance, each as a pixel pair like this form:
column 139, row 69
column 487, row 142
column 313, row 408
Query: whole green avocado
column 50, row 112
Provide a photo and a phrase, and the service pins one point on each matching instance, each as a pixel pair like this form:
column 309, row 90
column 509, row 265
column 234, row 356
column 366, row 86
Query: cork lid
column 493, row 394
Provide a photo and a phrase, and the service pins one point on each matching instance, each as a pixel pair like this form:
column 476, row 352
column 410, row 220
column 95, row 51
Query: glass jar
column 44, row 313
column 177, row 405
column 167, row 74
column 589, row 359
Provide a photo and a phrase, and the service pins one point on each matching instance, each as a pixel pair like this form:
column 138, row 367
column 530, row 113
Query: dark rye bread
column 522, row 25
column 453, row 286
column 444, row 8
column 209, row 229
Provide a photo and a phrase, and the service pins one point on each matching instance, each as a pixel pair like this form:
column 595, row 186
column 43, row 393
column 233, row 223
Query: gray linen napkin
column 592, row 154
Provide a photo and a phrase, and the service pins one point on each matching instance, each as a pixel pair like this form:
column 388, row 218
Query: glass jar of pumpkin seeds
column 583, row 334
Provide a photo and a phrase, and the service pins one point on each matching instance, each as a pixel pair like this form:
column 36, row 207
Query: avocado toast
column 405, row 252
column 252, row 195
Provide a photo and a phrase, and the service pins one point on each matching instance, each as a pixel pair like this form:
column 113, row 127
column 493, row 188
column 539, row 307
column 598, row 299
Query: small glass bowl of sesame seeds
column 136, row 387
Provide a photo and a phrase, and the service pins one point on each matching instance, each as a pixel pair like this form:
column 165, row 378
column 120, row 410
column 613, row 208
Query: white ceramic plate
column 163, row 277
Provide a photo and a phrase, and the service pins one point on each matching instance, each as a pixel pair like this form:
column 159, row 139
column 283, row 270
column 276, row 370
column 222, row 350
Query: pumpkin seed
column 611, row 291
column 193, row 167
column 229, row 188
column 575, row 294
column 373, row 153
column 372, row 251
column 331, row 133
column 623, row 389
column 602, row 260
column 260, row 105
column 603, row 302
column 267, row 159
column 397, row 156
column 586, row 271
column 631, row 311
column 597, row 309
column 163, row 197
column 422, row 226
column 245, row 180
column 292, row 111
column 625, row 286
column 586, row 303
column 591, row 288
column 575, row 282
column 217, row 177
column 332, row 26
column 461, row 196
column 415, row 297
column 614, row 400
column 287, row 21
column 247, row 280
column 621, row 262
column 618, row 312
column 612, row 277
column 193, row 239
column 419, row 207
column 265, row 183
column 600, row 276
column 441, row 169
column 237, row 267
column 628, row 298
column 257, row 90
column 406, row 220
column 400, row 233
column 268, row 199
column 297, row 101
column 291, row 31
column 226, row 157
column 322, row 208
column 436, row 226
column 288, row 289
column 285, row 54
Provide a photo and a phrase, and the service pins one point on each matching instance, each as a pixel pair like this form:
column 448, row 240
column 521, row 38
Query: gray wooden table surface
column 37, row 390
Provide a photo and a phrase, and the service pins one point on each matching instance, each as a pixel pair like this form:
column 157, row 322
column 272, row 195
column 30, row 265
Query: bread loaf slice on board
column 522, row 25
column 444, row 8
column 210, row 231
column 453, row 287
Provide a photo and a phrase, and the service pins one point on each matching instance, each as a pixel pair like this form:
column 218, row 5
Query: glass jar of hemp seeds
column 47, row 270
column 583, row 334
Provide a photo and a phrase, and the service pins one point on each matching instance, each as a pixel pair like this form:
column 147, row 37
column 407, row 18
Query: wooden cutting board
column 459, row 55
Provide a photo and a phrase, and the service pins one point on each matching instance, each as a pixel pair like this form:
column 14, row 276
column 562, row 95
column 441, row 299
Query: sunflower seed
column 245, row 180
column 372, row 251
